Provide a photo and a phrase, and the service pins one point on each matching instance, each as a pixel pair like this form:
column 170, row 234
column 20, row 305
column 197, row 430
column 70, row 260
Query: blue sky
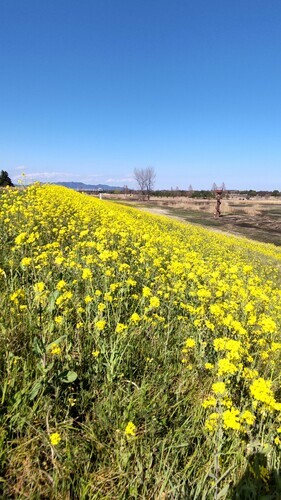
column 91, row 89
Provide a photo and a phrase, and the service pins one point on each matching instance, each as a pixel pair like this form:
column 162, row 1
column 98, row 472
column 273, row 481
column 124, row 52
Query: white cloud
column 90, row 178
column 122, row 179
column 47, row 176
column 58, row 176
column 21, row 168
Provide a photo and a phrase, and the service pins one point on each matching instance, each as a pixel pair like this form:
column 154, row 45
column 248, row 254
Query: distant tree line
column 201, row 194
column 181, row 192
column 251, row 193
column 208, row 194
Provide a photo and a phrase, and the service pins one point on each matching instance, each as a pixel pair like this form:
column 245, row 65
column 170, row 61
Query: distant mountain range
column 80, row 186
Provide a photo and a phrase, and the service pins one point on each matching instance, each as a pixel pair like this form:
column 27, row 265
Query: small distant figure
column 100, row 196
column 218, row 204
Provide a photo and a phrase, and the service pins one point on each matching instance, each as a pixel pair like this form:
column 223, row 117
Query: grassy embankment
column 139, row 357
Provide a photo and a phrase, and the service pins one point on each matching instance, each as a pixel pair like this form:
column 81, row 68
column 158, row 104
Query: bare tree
column 145, row 178
column 140, row 177
column 214, row 187
column 150, row 179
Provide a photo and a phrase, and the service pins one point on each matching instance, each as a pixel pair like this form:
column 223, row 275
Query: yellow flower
column 231, row 419
column 189, row 343
column 211, row 401
column 55, row 438
column 130, row 429
column 154, row 302
column 55, row 349
column 261, row 391
column 26, row 261
column 100, row 325
column 131, row 282
column 209, row 366
column 95, row 354
column 21, row 238
column 211, row 423
column 250, row 374
column 135, row 318
column 59, row 260
column 219, row 388
column 120, row 328
column 39, row 287
column 146, row 292
column 108, row 297
column 87, row 274
column 248, row 417
column 61, row 284
column 63, row 298
column 88, row 299
column 226, row 367
column 275, row 346
column 18, row 294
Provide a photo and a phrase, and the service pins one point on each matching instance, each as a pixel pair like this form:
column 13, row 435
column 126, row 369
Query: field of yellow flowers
column 139, row 357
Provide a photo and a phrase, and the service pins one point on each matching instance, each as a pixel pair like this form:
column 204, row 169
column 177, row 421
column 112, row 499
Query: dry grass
column 231, row 205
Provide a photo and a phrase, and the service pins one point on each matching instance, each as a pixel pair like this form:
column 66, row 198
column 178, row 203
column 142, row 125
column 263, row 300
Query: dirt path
column 160, row 211
column 166, row 213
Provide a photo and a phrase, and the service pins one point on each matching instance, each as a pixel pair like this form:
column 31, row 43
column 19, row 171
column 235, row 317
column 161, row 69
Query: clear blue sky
column 91, row 89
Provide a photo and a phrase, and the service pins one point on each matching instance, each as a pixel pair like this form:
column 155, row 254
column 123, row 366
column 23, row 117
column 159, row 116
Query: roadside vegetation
column 139, row 356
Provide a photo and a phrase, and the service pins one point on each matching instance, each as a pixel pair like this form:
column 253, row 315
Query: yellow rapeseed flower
column 219, row 388
column 130, row 429
column 55, row 349
column 100, row 325
column 87, row 274
column 154, row 302
column 55, row 438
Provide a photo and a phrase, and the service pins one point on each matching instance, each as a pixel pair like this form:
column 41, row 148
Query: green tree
column 5, row 179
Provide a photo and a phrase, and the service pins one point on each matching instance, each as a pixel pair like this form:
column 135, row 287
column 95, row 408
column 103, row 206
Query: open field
column 139, row 356
column 258, row 219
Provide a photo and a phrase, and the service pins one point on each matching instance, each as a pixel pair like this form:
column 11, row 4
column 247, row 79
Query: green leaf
column 38, row 347
column 68, row 376
column 52, row 301
column 35, row 389
column 222, row 493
